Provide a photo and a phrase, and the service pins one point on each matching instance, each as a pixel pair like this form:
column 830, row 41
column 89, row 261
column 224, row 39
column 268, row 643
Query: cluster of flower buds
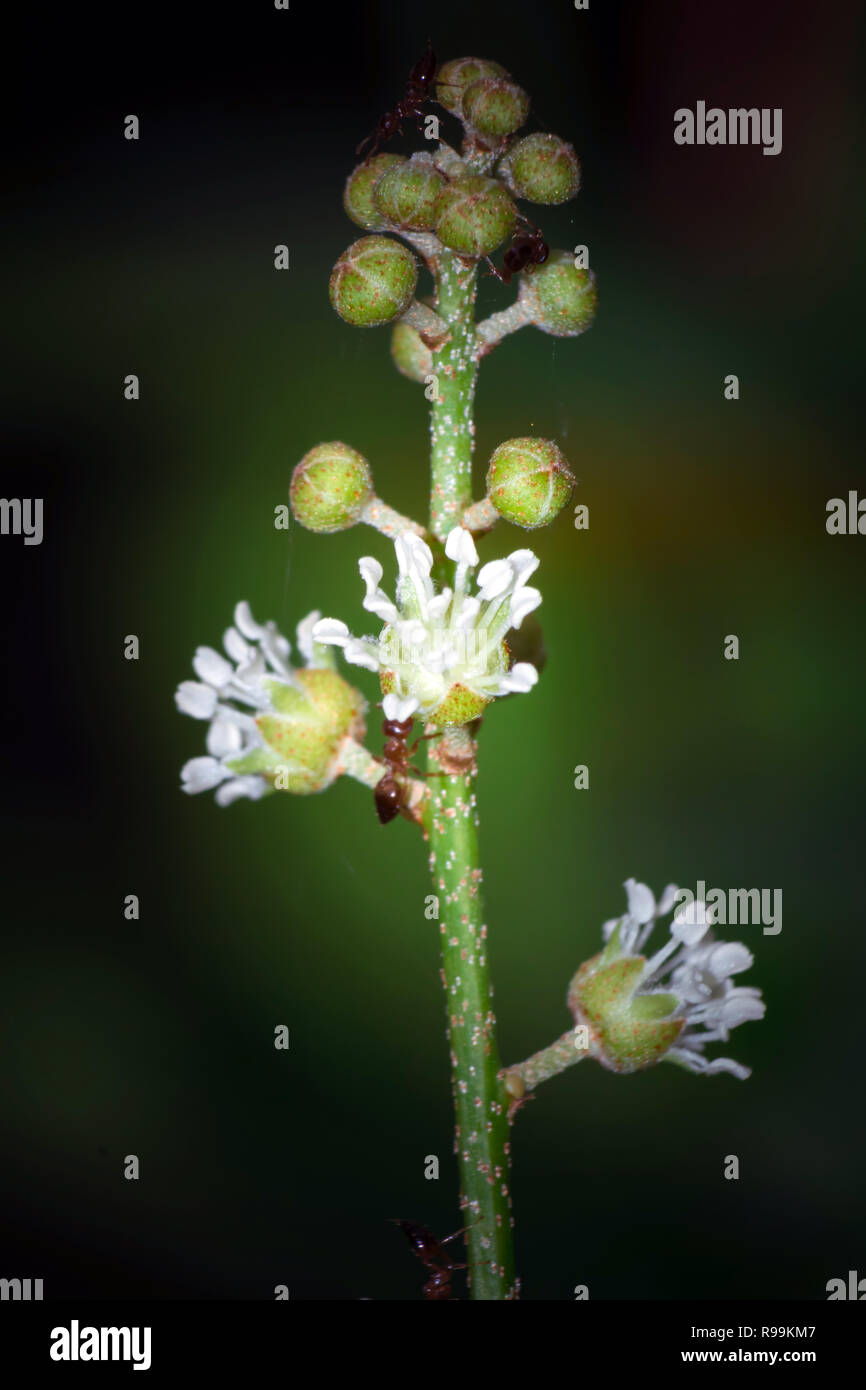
column 465, row 203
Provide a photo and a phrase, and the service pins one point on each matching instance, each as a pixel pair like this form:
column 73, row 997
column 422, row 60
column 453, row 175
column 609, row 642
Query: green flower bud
column 494, row 107
column 458, row 74
column 629, row 1031
column 541, row 169
column 304, row 731
column 358, row 193
column 476, row 215
column 411, row 355
column 330, row 488
column 560, row 298
column 408, row 194
column 529, row 481
column 373, row 282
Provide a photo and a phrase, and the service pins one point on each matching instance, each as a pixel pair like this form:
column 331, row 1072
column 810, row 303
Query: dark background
column 707, row 518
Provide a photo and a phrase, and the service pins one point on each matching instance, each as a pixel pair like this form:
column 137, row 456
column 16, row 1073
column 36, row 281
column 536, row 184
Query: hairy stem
column 550, row 1061
column 480, row 1098
column 455, row 367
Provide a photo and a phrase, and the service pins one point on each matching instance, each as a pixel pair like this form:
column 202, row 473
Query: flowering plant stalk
column 449, row 639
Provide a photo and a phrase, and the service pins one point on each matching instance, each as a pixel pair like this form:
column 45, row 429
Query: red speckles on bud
column 476, row 215
column 495, row 108
column 373, row 282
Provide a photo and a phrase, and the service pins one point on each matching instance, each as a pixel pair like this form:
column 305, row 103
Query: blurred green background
column 706, row 518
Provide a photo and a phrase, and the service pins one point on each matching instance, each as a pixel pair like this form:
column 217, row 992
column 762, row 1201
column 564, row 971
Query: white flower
column 230, row 692
column 694, row 968
column 443, row 650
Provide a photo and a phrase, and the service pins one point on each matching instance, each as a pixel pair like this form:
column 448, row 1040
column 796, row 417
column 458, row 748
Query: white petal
column 641, row 903
column 690, row 923
column 520, row 679
column 395, row 708
column 371, row 571
column 304, row 632
column 200, row 774
column 735, row 1011
column 358, row 653
column 250, row 786
column 720, row 1064
column 246, row 623
column 469, row 610
column 379, row 603
column 667, row 900
column 212, row 668
column 523, row 563
column 236, row 647
column 523, row 602
column 438, row 606
column 494, row 579
column 277, row 650
column 194, row 699
column 460, row 546
column 729, row 958
column 331, row 631
column 224, row 737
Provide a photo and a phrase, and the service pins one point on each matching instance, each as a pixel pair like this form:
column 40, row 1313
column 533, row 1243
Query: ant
column 389, row 794
column 526, row 249
column 410, row 105
column 429, row 1250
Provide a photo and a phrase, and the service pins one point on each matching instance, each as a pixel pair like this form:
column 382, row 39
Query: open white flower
column 269, row 724
column 669, row 1006
column 445, row 650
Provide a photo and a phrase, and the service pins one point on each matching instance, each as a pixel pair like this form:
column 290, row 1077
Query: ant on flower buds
column 526, row 249
column 410, row 105
column 429, row 1250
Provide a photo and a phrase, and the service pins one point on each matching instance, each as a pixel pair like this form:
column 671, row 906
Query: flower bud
column 529, row 481
column 411, row 355
column 373, row 282
column 495, row 108
column 330, row 488
column 358, row 193
column 455, row 76
column 408, row 194
column 541, row 169
column 560, row 298
column 303, row 731
column 476, row 215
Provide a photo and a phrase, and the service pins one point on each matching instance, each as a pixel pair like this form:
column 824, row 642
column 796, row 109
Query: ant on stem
column 428, row 1248
column 389, row 792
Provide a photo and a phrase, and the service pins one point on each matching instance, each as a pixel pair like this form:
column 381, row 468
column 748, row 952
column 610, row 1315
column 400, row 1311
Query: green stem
column 455, row 367
column 572, row 1047
column 480, row 1098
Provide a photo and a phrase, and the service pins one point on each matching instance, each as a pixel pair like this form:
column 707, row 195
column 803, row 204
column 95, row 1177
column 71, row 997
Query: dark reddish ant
column 429, row 1250
column 389, row 792
column 410, row 105
column 526, row 249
